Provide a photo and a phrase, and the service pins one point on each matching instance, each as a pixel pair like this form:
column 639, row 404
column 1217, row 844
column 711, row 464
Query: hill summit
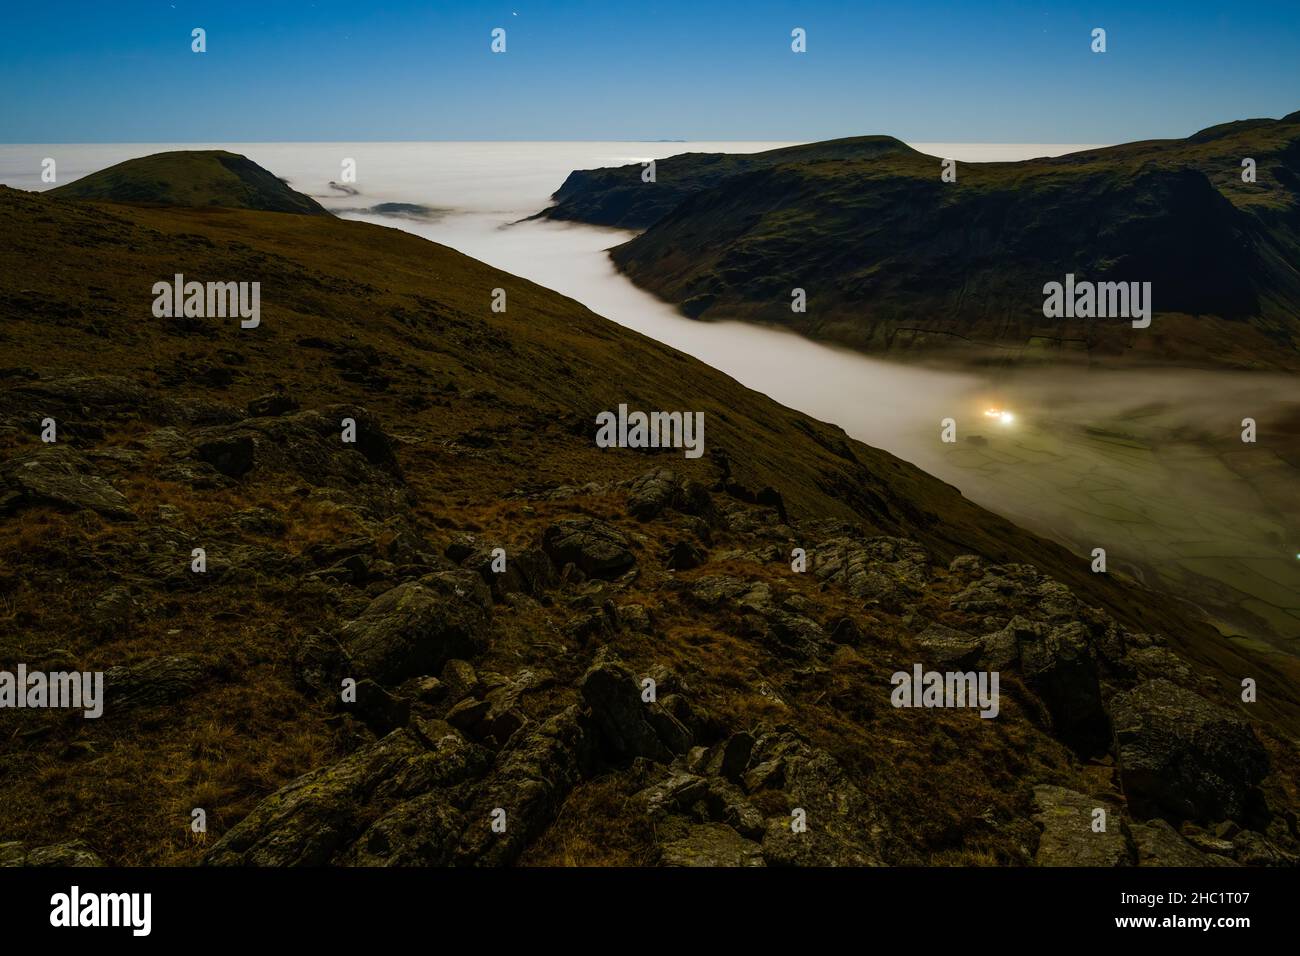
column 201, row 177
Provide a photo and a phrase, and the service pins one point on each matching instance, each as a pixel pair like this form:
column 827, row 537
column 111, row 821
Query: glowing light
column 1005, row 417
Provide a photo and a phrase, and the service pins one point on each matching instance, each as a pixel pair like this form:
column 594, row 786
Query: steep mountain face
column 500, row 713
column 211, row 177
column 891, row 257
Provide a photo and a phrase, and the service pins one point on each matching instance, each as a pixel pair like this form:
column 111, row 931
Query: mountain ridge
column 893, row 259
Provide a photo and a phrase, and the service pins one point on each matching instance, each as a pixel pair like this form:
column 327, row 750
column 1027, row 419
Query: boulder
column 782, row 846
column 890, row 572
column 533, row 775
column 416, row 627
column 317, row 817
column 459, row 680
column 595, row 548
column 651, row 493
column 1159, row 844
column 683, row 556
column 948, row 647
column 56, row 475
column 1060, row 668
column 69, row 853
column 379, row 710
column 629, row 727
column 423, row 831
column 1183, row 757
column 160, row 680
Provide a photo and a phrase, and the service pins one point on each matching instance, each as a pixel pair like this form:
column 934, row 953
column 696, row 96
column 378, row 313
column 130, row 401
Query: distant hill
column 892, row 258
column 614, row 195
column 206, row 177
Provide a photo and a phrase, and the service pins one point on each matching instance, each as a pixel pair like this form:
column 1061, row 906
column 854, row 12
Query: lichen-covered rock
column 1070, row 837
column 532, row 777
column 651, row 493
column 783, row 846
column 317, row 817
column 711, row 844
column 56, row 475
column 423, row 831
column 887, row 571
column 1159, row 844
column 1184, row 757
column 595, row 548
column 70, row 853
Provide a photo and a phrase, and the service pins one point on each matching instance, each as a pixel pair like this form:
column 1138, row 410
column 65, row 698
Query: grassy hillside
column 211, row 177
column 520, row 690
column 894, row 259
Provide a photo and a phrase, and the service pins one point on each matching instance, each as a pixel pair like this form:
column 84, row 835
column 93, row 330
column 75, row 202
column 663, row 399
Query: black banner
column 227, row 905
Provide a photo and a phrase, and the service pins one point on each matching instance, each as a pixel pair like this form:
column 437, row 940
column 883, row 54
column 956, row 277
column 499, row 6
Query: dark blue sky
column 683, row 69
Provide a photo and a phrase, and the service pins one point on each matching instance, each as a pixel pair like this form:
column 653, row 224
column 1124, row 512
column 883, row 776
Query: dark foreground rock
column 1184, row 757
column 57, row 475
column 418, row 626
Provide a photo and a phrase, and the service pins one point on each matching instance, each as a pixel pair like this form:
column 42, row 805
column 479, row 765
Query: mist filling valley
column 1148, row 464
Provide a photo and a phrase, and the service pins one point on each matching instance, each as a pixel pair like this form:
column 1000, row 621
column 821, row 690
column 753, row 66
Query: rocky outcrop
column 317, row 818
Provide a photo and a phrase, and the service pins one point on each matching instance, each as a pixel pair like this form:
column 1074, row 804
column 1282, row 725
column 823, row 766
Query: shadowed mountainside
column 521, row 689
column 210, row 177
column 894, row 259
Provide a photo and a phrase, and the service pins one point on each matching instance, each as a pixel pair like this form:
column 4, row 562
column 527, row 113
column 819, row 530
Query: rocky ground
column 522, row 690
